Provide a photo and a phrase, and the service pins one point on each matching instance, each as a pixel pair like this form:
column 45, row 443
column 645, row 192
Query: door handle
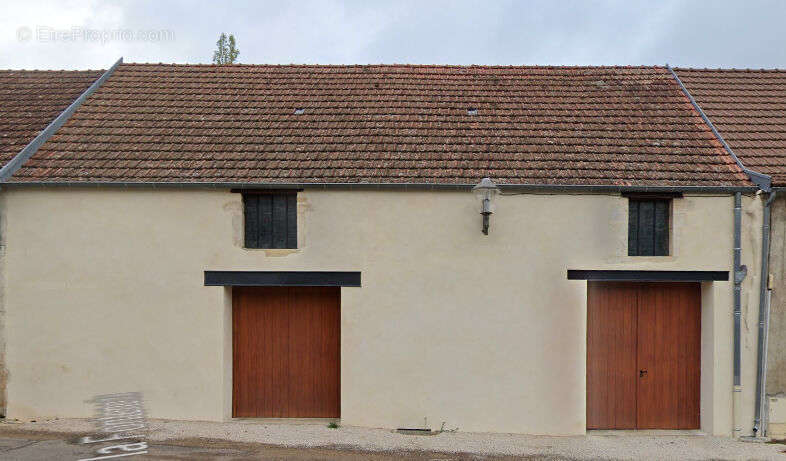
column 642, row 373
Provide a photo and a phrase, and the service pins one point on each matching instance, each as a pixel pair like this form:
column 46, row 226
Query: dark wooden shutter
column 270, row 220
column 265, row 221
column 251, row 204
column 633, row 228
column 279, row 226
column 648, row 227
column 661, row 228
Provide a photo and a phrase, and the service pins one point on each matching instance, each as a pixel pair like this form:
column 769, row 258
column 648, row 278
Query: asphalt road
column 27, row 445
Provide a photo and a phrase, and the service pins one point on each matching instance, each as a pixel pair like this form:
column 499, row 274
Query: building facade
column 304, row 242
column 483, row 332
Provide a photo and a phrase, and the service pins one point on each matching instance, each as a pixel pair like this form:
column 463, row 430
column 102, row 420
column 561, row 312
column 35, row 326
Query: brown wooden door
column 669, row 356
column 643, row 355
column 286, row 352
column 611, row 356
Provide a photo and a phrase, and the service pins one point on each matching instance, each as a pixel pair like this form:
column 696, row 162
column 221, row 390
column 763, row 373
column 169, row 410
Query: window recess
column 270, row 219
column 648, row 225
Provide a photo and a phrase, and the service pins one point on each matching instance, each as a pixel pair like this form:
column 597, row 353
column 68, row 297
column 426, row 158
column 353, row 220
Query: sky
column 65, row 34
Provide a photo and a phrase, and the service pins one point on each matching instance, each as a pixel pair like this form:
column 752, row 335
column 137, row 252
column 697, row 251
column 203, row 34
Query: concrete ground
column 175, row 440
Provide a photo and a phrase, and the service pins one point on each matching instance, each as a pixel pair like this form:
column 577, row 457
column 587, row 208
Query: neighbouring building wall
column 3, row 369
column 105, row 294
column 776, row 356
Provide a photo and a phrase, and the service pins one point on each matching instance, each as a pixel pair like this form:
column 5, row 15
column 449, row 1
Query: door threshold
column 646, row 432
column 315, row 421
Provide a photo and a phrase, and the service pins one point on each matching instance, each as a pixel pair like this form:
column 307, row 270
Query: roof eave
column 567, row 188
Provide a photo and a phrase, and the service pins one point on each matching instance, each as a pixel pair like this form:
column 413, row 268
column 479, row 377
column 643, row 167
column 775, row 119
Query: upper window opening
column 648, row 227
column 270, row 220
column 300, row 111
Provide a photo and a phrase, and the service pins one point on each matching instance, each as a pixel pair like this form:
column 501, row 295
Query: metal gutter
column 534, row 188
column 762, row 180
column 30, row 149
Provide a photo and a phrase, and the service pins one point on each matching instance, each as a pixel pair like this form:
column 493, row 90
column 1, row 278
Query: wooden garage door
column 286, row 358
column 643, row 355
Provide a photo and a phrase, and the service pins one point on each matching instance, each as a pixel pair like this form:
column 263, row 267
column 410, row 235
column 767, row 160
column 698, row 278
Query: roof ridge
column 406, row 65
column 52, row 71
column 732, row 69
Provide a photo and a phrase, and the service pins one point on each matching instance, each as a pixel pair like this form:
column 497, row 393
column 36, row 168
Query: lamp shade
column 486, row 189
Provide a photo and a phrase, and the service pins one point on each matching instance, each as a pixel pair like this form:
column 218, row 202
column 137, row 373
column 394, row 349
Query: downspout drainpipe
column 765, row 184
column 764, row 317
column 740, row 272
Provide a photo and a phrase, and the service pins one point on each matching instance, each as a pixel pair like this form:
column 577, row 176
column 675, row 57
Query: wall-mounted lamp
column 486, row 190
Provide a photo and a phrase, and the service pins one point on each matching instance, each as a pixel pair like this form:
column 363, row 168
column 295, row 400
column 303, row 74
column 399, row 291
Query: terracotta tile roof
column 31, row 99
column 748, row 107
column 386, row 124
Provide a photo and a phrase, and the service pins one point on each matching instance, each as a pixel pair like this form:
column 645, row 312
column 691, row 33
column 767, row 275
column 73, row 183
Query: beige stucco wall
column 776, row 416
column 104, row 293
column 776, row 358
